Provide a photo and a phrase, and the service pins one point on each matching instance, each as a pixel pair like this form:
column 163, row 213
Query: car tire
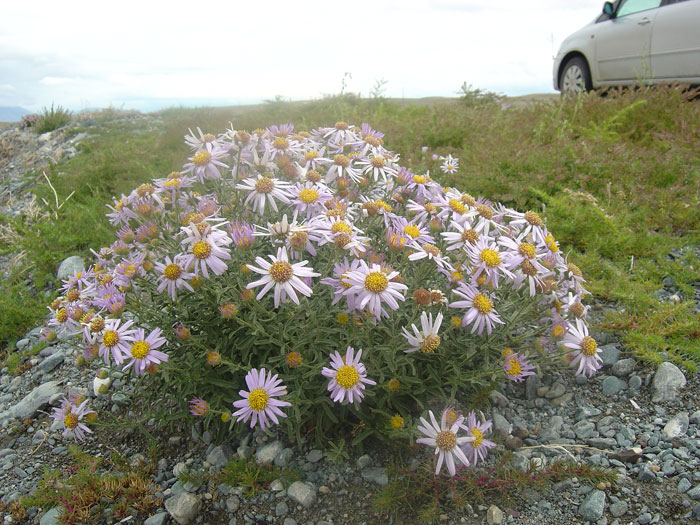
column 575, row 77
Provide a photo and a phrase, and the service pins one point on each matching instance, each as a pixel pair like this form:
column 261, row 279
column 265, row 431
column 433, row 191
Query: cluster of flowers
column 267, row 213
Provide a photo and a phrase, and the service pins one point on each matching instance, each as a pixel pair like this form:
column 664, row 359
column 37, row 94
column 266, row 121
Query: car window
column 628, row 7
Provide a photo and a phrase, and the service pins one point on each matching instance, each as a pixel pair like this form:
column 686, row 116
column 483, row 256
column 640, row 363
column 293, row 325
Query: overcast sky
column 151, row 54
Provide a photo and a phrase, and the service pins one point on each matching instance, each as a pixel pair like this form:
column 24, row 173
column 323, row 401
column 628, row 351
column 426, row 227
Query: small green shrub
column 51, row 119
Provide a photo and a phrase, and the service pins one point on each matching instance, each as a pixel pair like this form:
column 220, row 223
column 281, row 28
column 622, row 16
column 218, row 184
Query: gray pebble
column 593, row 506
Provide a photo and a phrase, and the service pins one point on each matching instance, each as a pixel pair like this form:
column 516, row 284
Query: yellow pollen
column 479, row 437
column 70, row 420
column 446, row 440
column 430, row 344
column 308, row 195
column 450, row 416
column 588, row 346
column 419, row 179
column 172, row 271
column 208, row 137
column 257, row 399
column 513, row 367
column 62, row 315
column 281, row 271
column 342, row 318
column 340, row 226
column 577, row 309
column 468, row 199
column 201, row 249
column 341, row 125
column 97, row 325
column 526, row 250
column 202, row 158
column 431, row 249
column 341, row 160
column 311, row 155
column 533, row 218
column 377, row 162
column 264, row 185
column 373, row 141
column 484, row 211
column 140, row 349
column 528, row 268
column 174, row 183
column 397, row 422
column 470, row 236
column 313, row 176
column 383, row 205
column 558, row 331
column 428, row 207
column 343, row 283
column 394, row 384
column 376, row 282
column 482, row 304
column 347, row 377
column 342, row 240
column 72, row 295
column 456, row 276
column 412, row 231
column 457, row 206
column 490, row 257
column 145, row 189
column 574, row 269
column 293, row 359
column 280, row 143
column 110, row 338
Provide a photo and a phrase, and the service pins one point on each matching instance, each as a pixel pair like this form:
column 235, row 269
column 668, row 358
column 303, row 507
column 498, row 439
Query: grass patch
column 51, row 119
column 16, row 361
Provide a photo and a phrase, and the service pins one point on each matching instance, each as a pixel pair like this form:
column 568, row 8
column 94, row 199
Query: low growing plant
column 51, row 119
column 307, row 279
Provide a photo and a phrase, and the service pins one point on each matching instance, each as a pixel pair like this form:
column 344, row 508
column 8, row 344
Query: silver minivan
column 632, row 42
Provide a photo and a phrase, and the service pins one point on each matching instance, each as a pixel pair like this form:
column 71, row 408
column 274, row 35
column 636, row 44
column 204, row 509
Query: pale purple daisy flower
column 478, row 449
column 205, row 164
column 517, row 367
column 263, row 189
column 259, row 401
column 69, row 414
column 80, row 279
column 115, row 340
column 429, row 251
column 480, row 309
column 487, row 259
column 109, row 299
column 449, row 164
column 143, row 351
column 444, row 438
column 373, row 287
column 414, row 230
column 173, row 276
column 462, row 236
column 348, row 376
column 242, row 233
column 207, row 251
column 378, row 166
column 585, row 351
column 121, row 213
column 205, row 141
column 283, row 276
column 341, row 285
column 199, row 407
column 308, row 198
column 427, row 340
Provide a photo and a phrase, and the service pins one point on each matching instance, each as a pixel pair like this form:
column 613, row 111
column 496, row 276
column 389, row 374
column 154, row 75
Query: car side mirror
column 608, row 8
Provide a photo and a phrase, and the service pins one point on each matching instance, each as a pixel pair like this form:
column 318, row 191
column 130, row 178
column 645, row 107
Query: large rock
column 183, row 507
column 302, row 493
column 33, row 401
column 220, row 456
column 268, row 453
column 593, row 506
column 668, row 382
column 677, row 425
column 69, row 266
column 51, row 517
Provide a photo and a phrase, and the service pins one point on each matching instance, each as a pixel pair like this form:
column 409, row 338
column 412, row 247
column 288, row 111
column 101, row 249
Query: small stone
column 498, row 400
column 584, row 429
column 233, row 502
column 220, row 456
column 676, row 426
column 324, row 490
column 302, row 493
column 635, row 383
column 623, row 367
column 376, row 475
column 364, row 461
column 501, row 426
column 281, row 509
column 694, row 493
column 668, row 382
column 289, row 521
column 513, row 443
column 563, row 400
column 612, row 385
column 183, row 507
column 51, row 362
column 51, row 517
column 646, row 474
column 695, row 418
column 683, row 486
column 520, row 462
column 556, row 390
column 267, row 453
column 276, row 486
column 644, row 518
column 314, row 456
column 494, row 516
column 157, row 519
column 22, row 344
column 179, row 468
column 284, row 457
column 618, row 509
column 69, row 266
column 532, row 383
column 609, row 354
column 593, row 506
column 631, row 455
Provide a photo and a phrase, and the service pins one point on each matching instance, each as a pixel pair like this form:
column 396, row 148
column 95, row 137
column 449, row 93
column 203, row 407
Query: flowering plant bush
column 308, row 279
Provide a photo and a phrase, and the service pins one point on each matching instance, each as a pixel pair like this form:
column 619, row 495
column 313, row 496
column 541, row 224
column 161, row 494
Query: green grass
column 618, row 179
column 51, row 119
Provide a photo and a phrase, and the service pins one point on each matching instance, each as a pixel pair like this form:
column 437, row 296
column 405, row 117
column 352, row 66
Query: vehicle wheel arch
column 565, row 61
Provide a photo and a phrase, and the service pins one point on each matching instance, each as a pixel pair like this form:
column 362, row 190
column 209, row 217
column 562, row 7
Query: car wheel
column 575, row 77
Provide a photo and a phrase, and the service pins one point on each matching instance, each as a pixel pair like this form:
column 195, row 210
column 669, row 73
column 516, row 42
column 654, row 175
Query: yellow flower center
column 208, row 137
column 484, row 211
column 201, row 249
column 446, row 440
column 456, row 321
column 490, row 257
column 342, row 318
column 430, row 344
column 558, row 331
column 145, row 189
column 533, row 218
column 257, row 399
column 376, row 282
column 373, row 141
column 577, row 309
column 419, row 179
column 588, row 346
column 340, row 226
column 281, row 271
column 293, row 359
column 482, row 304
column 412, row 231
column 110, row 338
column 264, row 185
column 457, row 206
column 341, row 125
column 311, row 155
column 394, row 384
column 574, row 269
column 347, row 377
column 479, row 437
column 62, row 315
column 140, row 349
column 397, row 422
column 468, row 199
column 172, row 271
column 514, row 368
column 526, row 250
column 377, row 162
column 528, row 268
column 342, row 161
column 470, row 236
column 431, row 250
column 70, row 420
column 202, row 158
column 280, row 143
column 450, row 416
column 308, row 195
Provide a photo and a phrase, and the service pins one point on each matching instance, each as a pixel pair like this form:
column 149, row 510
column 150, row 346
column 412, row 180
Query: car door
column 675, row 41
column 623, row 44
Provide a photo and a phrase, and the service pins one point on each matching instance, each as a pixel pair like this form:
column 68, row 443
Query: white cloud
column 56, row 81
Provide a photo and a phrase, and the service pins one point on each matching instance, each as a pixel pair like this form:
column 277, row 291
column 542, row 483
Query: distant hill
column 12, row 114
